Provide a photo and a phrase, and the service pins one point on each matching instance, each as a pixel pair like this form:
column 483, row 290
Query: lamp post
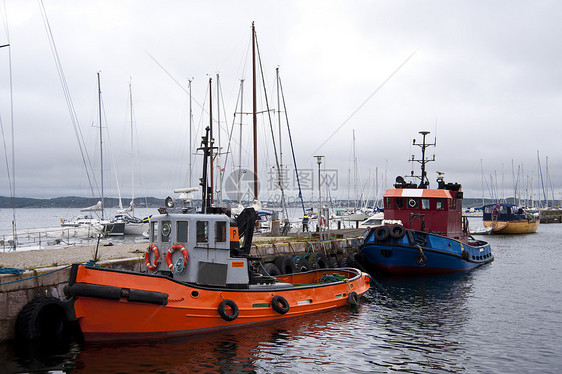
column 319, row 162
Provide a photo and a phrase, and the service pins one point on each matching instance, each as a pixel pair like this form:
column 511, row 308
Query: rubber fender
column 318, row 260
column 421, row 259
column 43, row 318
column 285, row 265
column 382, row 233
column 279, row 304
column 95, row 290
column 397, row 231
column 271, row 269
column 353, row 298
column 151, row 297
column 302, row 265
column 224, row 314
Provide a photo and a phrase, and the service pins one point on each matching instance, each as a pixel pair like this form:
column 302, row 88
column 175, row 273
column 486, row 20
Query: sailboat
column 100, row 225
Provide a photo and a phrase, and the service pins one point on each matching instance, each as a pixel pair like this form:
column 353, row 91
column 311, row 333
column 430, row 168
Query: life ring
column 382, row 233
column 353, row 298
column 176, row 247
column 412, row 203
column 397, row 231
column 322, row 221
column 224, row 314
column 149, row 265
column 280, row 304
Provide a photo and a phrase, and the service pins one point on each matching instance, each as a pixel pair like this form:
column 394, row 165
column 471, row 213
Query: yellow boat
column 510, row 219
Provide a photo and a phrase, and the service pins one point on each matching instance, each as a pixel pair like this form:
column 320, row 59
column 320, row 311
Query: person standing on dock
column 305, row 223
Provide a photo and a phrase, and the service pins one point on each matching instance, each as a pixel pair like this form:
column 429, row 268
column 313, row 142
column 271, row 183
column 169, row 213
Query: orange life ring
column 176, row 247
column 149, row 265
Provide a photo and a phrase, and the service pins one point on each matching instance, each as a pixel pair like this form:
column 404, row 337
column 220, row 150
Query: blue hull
column 416, row 252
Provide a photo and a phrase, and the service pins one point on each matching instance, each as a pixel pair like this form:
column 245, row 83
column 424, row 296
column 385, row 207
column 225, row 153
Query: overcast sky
column 485, row 77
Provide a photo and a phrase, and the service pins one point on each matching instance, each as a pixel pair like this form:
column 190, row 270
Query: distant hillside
column 82, row 202
column 75, row 202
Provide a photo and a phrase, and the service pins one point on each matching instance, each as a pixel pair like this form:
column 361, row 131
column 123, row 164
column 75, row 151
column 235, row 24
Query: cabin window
column 440, row 204
column 181, row 231
column 459, row 204
column 387, row 202
column 399, row 203
column 166, row 231
column 220, row 231
column 425, row 203
column 413, row 203
column 202, row 231
column 154, row 231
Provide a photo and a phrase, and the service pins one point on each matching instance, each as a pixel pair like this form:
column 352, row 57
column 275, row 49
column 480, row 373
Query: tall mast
column 211, row 139
column 219, row 164
column 279, row 120
column 132, row 151
column 190, row 136
column 254, row 112
column 240, row 143
column 101, row 145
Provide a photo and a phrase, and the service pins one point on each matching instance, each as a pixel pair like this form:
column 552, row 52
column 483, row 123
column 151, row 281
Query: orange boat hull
column 191, row 309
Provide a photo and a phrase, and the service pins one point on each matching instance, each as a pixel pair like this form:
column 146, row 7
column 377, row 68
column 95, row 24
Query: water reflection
column 418, row 323
column 251, row 349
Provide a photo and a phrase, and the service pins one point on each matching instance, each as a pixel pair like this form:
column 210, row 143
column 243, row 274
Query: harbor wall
column 17, row 290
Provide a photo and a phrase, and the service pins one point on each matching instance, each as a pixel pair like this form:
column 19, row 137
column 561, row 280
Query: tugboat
column 198, row 279
column 433, row 237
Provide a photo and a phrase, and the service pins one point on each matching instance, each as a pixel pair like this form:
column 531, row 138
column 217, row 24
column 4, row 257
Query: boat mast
column 190, row 136
column 424, row 182
column 279, row 120
column 240, row 143
column 219, row 164
column 254, row 112
column 132, row 204
column 206, row 192
column 101, row 145
column 211, row 134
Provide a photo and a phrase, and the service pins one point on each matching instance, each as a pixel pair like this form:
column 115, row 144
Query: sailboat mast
column 132, row 205
column 254, row 112
column 279, row 120
column 211, row 139
column 240, row 143
column 101, row 145
column 190, row 137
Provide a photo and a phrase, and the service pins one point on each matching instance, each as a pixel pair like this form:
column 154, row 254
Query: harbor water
column 504, row 317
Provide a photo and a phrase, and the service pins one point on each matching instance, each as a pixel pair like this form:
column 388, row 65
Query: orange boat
column 198, row 279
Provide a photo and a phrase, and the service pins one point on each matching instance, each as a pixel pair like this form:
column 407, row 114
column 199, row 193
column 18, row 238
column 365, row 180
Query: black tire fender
column 285, row 265
column 382, row 233
column 397, row 231
column 279, row 304
column 353, row 298
column 421, row 259
column 271, row 269
column 43, row 318
column 224, row 314
column 302, row 265
column 318, row 260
